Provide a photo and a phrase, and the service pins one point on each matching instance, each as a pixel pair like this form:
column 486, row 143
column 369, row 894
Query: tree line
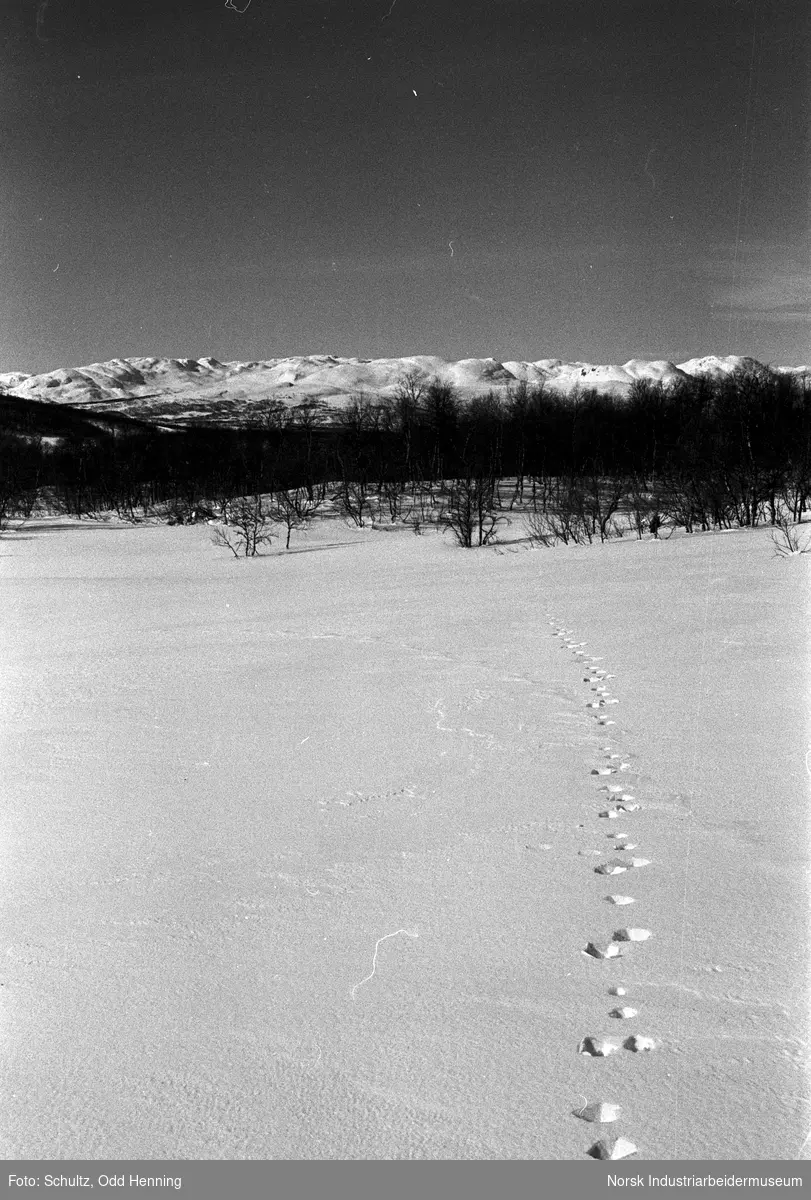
column 703, row 453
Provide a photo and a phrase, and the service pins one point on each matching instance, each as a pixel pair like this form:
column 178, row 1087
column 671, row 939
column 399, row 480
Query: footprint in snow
column 603, row 950
column 601, row 1113
column 598, row 1047
column 614, row 866
column 612, row 1148
column 638, row 1043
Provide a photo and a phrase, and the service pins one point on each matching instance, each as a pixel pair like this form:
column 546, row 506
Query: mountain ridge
column 190, row 388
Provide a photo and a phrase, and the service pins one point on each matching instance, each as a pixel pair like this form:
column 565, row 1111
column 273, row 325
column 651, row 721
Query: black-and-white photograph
column 405, row 577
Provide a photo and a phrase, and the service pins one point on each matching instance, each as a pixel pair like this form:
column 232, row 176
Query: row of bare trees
column 466, row 507
column 705, row 454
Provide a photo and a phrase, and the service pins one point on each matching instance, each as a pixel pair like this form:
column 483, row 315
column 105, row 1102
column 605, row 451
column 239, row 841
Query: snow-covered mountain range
column 183, row 389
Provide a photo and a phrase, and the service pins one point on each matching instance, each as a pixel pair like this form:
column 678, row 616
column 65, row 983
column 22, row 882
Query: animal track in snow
column 598, row 1047
column 637, row 1043
column 620, row 803
column 619, row 1148
column 614, row 866
column 603, row 950
column 351, row 798
column 600, row 1112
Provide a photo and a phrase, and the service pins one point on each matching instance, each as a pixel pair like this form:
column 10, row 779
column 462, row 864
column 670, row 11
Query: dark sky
column 582, row 179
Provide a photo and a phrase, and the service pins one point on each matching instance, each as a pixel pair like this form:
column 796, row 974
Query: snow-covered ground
column 299, row 852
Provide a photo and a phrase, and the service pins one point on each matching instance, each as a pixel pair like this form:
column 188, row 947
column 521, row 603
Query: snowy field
column 299, row 852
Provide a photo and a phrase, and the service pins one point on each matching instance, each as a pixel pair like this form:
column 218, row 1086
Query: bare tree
column 422, row 511
column 18, row 488
column 410, row 389
column 539, row 529
column 273, row 414
column 394, row 492
column 598, row 502
column 247, row 529
column 786, row 539
column 569, row 517
column 568, row 525
column 359, row 416
column 470, row 510
column 353, row 501
column 293, row 508
column 308, row 418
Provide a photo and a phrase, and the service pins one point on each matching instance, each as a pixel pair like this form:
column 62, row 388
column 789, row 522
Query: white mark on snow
column 313, row 1063
column 413, row 91
column 230, row 4
column 303, row 740
column 388, row 14
column 441, row 718
column 409, row 933
column 649, row 173
column 450, row 244
column 41, row 11
column 56, row 268
column 463, row 729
